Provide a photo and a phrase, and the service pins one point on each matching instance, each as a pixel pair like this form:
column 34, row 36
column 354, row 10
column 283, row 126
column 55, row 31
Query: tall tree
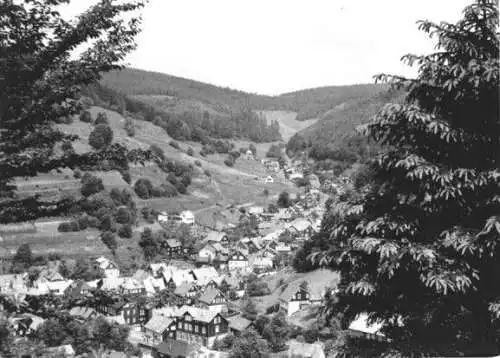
column 419, row 250
column 40, row 81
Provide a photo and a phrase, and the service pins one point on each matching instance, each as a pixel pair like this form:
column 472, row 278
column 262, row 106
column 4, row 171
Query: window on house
column 196, row 329
column 179, row 325
column 217, row 328
column 204, row 330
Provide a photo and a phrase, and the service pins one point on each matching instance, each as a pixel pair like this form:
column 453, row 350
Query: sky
column 277, row 46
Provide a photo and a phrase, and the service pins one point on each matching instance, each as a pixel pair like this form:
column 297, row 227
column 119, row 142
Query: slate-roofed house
column 212, row 250
column 77, row 290
column 301, row 226
column 362, row 329
column 25, row 324
column 214, row 300
column 108, row 267
column 158, row 329
column 187, row 290
column 238, row 324
column 176, row 349
column 202, row 326
column 261, row 263
column 131, row 313
column 217, row 237
column 204, row 275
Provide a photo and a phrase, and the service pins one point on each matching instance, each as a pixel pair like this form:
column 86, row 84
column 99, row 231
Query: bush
column 77, row 174
column 123, row 216
column 229, row 161
column 101, row 137
column 168, row 190
column 86, row 117
column 108, row 238
column 157, row 151
column 197, row 163
column 174, row 144
column 172, row 179
column 102, row 118
column 65, row 227
column 235, row 154
column 284, row 200
column 143, row 188
column 108, row 224
column 207, row 173
column 274, row 152
column 91, row 185
column 190, row 152
column 186, row 180
column 126, row 177
column 181, row 188
column 125, row 231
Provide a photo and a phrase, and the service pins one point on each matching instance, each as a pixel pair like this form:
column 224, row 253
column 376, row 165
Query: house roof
column 174, row 348
column 209, row 295
column 200, row 314
column 238, row 323
column 300, row 224
column 159, row 323
column 83, row 312
column 184, row 288
column 307, row 350
column 204, row 275
column 361, row 324
column 215, row 236
column 173, row 243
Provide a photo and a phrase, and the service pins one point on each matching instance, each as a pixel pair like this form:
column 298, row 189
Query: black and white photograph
column 249, row 178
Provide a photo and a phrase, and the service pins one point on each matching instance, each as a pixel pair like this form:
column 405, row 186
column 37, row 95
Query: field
column 207, row 195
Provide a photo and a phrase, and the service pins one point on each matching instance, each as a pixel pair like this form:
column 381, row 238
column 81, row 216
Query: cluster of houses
column 180, row 310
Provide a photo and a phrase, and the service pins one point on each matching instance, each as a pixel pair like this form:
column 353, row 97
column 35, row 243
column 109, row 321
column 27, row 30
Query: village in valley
column 226, row 278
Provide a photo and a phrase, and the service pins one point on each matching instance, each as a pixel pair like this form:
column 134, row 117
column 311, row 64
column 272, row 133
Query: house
column 187, row 217
column 300, row 226
column 210, row 250
column 153, row 285
column 171, row 348
column 294, row 298
column 109, row 268
column 66, row 350
column 163, row 217
column 131, row 312
column 187, row 289
column 305, row 350
column 361, row 328
column 158, row 329
column 248, row 155
column 83, row 313
column 25, row 324
column 238, row 324
column 15, row 283
column 157, row 269
column 256, row 210
column 235, row 284
column 268, row 180
column 176, row 277
column 217, row 237
column 261, row 264
column 204, row 275
column 77, row 290
column 202, row 326
column 214, row 300
column 173, row 247
column 238, row 262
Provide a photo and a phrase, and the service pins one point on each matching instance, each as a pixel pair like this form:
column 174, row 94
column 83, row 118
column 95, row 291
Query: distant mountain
column 166, row 91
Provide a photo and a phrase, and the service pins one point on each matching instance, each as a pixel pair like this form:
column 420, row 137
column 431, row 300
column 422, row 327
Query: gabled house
column 294, row 298
column 83, row 313
column 238, row 262
column 131, row 313
column 212, row 251
column 25, row 324
column 158, row 329
column 361, row 328
column 173, row 247
column 108, row 267
column 77, row 290
column 187, row 290
column 213, row 300
column 204, row 275
column 201, row 326
column 217, row 237
column 238, row 324
column 261, row 263
column 235, row 284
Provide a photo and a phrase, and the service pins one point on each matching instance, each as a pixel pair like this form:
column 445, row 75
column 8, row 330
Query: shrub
column 91, row 185
column 98, row 205
column 102, row 118
column 101, row 137
column 168, row 190
column 274, row 152
column 86, row 117
column 197, row 163
column 186, row 180
column 284, row 200
column 77, row 174
column 127, row 177
column 172, row 179
column 143, row 188
column 64, row 227
column 108, row 238
column 181, row 188
column 125, row 231
column 229, row 161
column 174, row 144
column 157, row 151
column 107, row 224
column 190, row 152
column 235, row 154
column 207, row 173
column 123, row 216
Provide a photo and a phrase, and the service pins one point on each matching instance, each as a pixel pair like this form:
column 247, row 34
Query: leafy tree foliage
column 249, row 345
column 23, row 258
column 143, row 188
column 101, row 137
column 129, row 127
column 149, row 244
column 284, row 200
column 91, row 185
column 276, row 332
column 102, row 118
column 86, row 117
column 256, row 287
column 109, row 239
column 249, row 309
column 418, row 247
column 274, row 152
column 41, row 82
